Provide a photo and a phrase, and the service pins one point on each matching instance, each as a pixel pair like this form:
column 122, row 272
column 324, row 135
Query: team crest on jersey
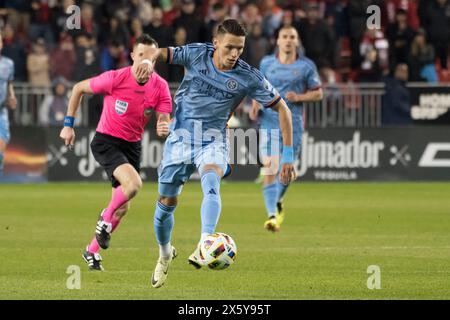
column 121, row 107
column 232, row 84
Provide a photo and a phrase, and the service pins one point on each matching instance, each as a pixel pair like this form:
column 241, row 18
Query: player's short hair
column 233, row 27
column 146, row 39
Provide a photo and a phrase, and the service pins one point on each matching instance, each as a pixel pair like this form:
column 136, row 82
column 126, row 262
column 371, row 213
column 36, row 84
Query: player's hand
column 292, row 97
column 253, row 114
column 143, row 72
column 287, row 174
column 12, row 103
column 68, row 135
column 162, row 129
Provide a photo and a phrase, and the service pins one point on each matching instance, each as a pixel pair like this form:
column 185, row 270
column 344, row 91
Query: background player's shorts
column 180, row 160
column 4, row 125
column 112, row 152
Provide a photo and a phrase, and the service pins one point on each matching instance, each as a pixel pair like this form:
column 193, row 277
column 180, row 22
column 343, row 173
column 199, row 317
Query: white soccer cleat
column 159, row 276
column 196, row 259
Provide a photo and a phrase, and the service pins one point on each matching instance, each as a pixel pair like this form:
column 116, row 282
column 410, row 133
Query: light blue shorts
column 181, row 159
column 4, row 125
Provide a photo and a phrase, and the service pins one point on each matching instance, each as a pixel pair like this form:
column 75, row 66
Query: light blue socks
column 211, row 205
column 270, row 193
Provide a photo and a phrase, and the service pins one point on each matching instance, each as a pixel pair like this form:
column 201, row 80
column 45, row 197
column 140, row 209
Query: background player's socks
column 1, row 164
column 118, row 200
column 93, row 246
column 281, row 190
column 270, row 192
column 211, row 204
column 163, row 224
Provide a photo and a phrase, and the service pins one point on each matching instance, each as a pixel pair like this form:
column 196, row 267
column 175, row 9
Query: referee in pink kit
column 130, row 94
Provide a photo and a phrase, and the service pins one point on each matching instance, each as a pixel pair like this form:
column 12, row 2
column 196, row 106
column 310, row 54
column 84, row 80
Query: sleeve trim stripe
column 273, row 102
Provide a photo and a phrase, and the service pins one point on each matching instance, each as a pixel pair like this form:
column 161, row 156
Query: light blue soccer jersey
column 208, row 95
column 6, row 75
column 299, row 77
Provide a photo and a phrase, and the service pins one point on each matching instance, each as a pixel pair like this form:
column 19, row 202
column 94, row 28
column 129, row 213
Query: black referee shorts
column 112, row 152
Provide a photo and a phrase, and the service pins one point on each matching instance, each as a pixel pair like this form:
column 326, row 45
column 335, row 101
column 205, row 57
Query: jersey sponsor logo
column 121, row 107
column 206, row 88
column 232, row 84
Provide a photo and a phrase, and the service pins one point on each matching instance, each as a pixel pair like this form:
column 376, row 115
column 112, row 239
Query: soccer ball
column 218, row 251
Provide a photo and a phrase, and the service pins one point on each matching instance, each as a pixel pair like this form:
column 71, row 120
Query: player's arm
column 147, row 65
column 162, row 124
column 253, row 114
column 12, row 101
column 308, row 96
column 287, row 174
column 79, row 89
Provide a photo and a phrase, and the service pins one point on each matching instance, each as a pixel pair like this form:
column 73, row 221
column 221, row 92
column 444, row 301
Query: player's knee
column 168, row 201
column 133, row 187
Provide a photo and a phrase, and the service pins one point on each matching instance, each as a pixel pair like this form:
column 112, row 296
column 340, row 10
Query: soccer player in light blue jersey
column 7, row 100
column 297, row 80
column 214, row 84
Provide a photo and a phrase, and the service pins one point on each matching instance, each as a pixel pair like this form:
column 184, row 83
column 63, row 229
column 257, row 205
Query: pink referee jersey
column 127, row 105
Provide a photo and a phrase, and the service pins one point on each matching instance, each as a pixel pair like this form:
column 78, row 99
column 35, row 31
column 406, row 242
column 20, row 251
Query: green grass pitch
column 332, row 234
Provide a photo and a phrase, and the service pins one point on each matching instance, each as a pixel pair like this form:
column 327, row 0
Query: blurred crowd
column 334, row 35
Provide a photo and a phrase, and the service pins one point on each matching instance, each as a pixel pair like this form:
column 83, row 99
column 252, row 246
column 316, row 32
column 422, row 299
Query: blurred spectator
column 176, row 72
column 358, row 23
column 63, row 58
column 251, row 14
column 54, row 105
column 256, row 47
column 397, row 101
column 317, row 38
column 87, row 57
column 421, row 59
column 136, row 31
column 218, row 15
column 114, row 56
column 158, row 31
column 400, row 36
column 374, row 40
column 436, row 21
column 116, row 32
column 336, row 13
column 410, row 7
column 41, row 21
column 190, row 22
column 88, row 24
column 38, row 65
column 14, row 49
column 272, row 17
column 370, row 70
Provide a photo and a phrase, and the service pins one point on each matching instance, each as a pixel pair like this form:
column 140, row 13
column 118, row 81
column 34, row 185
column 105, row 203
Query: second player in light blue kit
column 297, row 80
column 214, row 84
column 7, row 100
